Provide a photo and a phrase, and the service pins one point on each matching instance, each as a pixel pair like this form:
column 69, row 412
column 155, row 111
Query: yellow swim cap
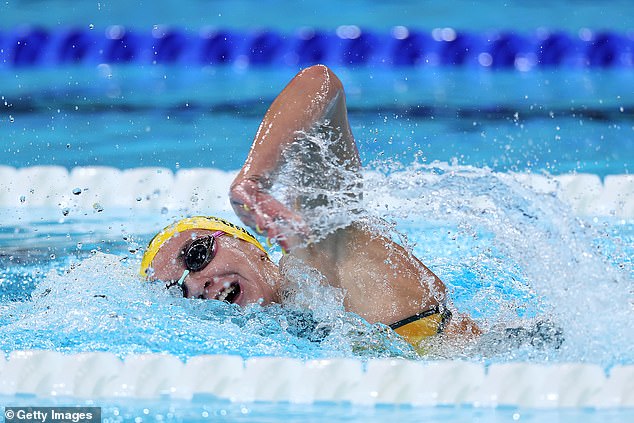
column 196, row 222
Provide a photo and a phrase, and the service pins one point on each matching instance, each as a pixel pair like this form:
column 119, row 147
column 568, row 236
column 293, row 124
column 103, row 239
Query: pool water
column 570, row 15
column 508, row 254
column 205, row 409
column 554, row 121
column 446, row 151
column 441, row 155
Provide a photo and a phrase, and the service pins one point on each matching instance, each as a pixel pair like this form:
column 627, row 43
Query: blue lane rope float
column 28, row 47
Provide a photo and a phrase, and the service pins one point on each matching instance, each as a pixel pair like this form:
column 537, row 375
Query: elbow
column 324, row 75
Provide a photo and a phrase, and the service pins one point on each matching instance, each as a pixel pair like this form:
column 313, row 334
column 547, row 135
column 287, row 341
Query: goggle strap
column 181, row 281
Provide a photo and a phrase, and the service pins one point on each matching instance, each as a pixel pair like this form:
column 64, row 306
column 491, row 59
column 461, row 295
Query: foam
column 154, row 188
column 102, row 375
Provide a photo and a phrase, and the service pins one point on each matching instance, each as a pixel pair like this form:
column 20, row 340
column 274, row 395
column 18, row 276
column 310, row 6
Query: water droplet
column 79, row 245
column 91, row 27
column 52, row 256
column 22, row 199
column 67, row 145
column 97, row 207
column 11, row 119
column 65, row 211
column 164, row 210
column 77, row 191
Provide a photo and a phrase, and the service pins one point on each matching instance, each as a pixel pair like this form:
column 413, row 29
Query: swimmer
column 381, row 281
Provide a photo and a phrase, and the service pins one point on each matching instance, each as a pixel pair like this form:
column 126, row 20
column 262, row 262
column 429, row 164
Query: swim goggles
column 196, row 256
column 202, row 250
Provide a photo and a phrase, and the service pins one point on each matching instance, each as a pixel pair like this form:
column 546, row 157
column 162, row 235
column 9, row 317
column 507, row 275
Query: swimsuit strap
column 429, row 312
column 423, row 325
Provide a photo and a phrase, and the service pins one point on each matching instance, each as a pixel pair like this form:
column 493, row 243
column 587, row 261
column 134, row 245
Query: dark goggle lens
column 199, row 253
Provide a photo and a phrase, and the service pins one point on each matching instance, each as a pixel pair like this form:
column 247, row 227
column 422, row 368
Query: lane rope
column 154, row 188
column 99, row 375
column 28, row 46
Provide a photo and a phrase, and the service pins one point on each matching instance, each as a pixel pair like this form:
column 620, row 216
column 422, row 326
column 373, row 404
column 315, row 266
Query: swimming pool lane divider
column 102, row 375
column 28, row 46
column 89, row 189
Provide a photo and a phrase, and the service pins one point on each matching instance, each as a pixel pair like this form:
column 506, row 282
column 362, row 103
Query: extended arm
column 312, row 100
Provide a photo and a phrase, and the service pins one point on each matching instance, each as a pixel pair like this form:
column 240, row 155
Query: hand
column 259, row 210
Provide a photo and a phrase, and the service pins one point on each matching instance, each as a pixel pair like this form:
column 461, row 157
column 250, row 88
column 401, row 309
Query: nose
column 196, row 285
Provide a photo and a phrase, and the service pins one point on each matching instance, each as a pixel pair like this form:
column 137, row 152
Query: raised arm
column 312, row 100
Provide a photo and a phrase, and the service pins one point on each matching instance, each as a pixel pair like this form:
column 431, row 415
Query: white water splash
column 503, row 229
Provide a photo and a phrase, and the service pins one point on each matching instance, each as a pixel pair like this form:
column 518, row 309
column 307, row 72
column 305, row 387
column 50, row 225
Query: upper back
column 381, row 280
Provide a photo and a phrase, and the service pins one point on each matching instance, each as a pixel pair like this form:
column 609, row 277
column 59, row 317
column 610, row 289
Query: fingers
column 266, row 215
column 283, row 226
column 243, row 198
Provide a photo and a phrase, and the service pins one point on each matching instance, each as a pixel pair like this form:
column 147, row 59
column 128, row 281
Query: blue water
column 290, row 14
column 555, row 121
column 522, row 256
column 70, row 285
column 532, row 258
column 208, row 409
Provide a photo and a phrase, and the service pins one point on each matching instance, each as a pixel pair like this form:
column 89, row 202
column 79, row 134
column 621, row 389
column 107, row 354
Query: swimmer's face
column 239, row 272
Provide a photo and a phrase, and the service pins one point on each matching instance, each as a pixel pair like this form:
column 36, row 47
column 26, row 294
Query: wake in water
column 532, row 272
column 522, row 263
column 101, row 304
column 514, row 258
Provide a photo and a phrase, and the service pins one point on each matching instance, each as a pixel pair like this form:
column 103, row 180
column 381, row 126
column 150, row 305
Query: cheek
column 271, row 274
column 265, row 275
column 262, row 281
column 165, row 269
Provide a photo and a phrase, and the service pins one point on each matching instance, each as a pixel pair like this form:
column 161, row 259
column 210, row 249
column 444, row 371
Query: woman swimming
column 305, row 144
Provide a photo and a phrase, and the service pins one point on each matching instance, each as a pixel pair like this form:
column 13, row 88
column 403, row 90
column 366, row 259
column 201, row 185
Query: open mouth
column 230, row 293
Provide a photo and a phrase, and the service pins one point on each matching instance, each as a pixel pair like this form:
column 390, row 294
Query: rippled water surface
column 510, row 256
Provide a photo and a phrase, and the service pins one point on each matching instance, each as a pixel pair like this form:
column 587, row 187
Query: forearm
column 312, row 104
column 313, row 96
